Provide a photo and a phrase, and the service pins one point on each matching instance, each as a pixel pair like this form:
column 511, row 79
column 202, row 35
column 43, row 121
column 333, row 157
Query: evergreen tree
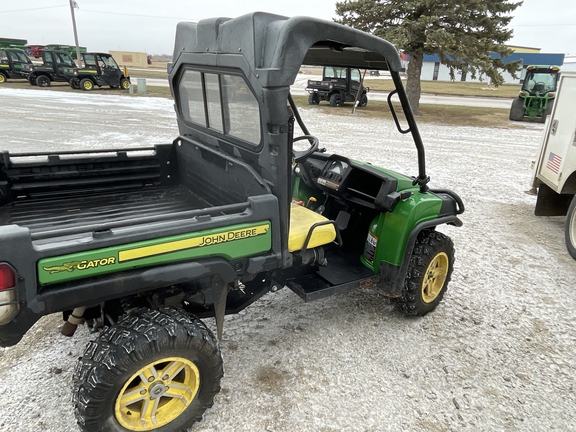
column 461, row 32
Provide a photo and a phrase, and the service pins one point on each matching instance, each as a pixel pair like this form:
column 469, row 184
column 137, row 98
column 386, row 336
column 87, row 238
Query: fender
column 392, row 276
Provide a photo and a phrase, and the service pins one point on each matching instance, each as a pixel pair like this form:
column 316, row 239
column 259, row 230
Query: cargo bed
column 53, row 216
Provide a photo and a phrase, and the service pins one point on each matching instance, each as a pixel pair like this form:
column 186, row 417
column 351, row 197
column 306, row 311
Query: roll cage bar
column 274, row 47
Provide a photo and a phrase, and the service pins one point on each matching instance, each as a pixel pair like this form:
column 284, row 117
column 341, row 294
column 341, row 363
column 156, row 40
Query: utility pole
column 73, row 5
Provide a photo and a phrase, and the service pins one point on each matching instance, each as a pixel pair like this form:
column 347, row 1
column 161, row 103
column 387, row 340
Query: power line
column 33, row 9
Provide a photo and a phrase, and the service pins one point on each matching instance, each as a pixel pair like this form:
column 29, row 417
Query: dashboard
column 345, row 180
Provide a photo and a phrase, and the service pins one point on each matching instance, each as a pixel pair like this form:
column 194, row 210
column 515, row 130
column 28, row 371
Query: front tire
column 156, row 370
column 363, row 100
column 570, row 228
column 2, row 78
column 428, row 274
column 125, row 83
column 86, row 84
column 517, row 110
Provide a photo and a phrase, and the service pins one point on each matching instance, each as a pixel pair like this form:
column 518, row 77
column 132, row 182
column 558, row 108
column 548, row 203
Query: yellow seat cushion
column 301, row 220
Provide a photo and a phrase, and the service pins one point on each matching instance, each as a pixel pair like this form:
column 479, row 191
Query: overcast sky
column 149, row 25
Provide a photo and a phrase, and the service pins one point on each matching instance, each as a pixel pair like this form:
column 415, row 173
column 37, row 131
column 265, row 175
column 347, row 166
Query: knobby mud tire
column 432, row 253
column 313, row 99
column 336, row 100
column 121, row 352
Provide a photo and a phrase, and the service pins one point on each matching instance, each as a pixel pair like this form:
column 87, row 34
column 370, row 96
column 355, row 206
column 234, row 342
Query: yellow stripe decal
column 194, row 242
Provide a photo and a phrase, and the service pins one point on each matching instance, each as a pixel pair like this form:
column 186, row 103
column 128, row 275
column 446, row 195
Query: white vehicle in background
column 555, row 169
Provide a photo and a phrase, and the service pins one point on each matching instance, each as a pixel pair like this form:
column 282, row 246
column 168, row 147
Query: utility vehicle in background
column 148, row 241
column 100, row 69
column 70, row 49
column 12, row 62
column 555, row 169
column 537, row 95
column 55, row 67
column 338, row 85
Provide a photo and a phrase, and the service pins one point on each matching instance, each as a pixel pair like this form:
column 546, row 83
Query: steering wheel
column 301, row 156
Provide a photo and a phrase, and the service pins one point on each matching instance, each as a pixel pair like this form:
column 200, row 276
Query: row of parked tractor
column 98, row 69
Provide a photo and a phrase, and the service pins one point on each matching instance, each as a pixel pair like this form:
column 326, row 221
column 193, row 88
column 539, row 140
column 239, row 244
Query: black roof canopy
column 275, row 46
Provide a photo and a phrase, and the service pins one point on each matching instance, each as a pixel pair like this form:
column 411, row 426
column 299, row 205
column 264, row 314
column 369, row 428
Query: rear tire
column 428, row 274
column 313, row 99
column 517, row 110
column 336, row 100
column 547, row 111
column 154, row 370
column 570, row 228
column 86, row 84
column 74, row 83
column 42, row 81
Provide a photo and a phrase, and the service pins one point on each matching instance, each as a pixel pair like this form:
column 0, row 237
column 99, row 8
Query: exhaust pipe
column 75, row 318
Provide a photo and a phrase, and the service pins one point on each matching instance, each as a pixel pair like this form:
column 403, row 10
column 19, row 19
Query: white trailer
column 555, row 169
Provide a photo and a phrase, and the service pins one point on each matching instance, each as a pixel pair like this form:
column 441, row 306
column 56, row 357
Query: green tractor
column 537, row 95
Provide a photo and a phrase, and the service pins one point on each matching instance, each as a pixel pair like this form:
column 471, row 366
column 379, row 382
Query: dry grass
column 149, row 73
column 451, row 88
column 438, row 114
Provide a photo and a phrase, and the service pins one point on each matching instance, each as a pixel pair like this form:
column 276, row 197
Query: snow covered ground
column 498, row 354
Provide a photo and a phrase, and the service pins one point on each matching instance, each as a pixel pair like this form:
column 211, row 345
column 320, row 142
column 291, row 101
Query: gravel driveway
column 497, row 354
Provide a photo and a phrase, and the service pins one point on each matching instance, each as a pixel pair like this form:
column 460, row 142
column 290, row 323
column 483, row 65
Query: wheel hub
column 157, row 389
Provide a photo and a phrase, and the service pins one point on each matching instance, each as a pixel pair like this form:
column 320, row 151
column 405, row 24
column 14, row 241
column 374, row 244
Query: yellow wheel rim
column 157, row 394
column 88, row 85
column 125, row 85
column 2, row 78
column 435, row 277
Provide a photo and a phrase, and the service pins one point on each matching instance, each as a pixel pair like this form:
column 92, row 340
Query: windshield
column 64, row 59
column 109, row 62
column 335, row 72
column 540, row 82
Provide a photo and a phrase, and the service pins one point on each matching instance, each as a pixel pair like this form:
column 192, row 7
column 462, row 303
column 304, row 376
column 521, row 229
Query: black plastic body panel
column 61, row 203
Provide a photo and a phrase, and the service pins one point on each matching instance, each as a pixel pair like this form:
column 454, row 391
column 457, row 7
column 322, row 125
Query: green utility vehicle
column 537, row 95
column 56, row 67
column 148, row 241
column 12, row 62
column 99, row 69
column 338, row 85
